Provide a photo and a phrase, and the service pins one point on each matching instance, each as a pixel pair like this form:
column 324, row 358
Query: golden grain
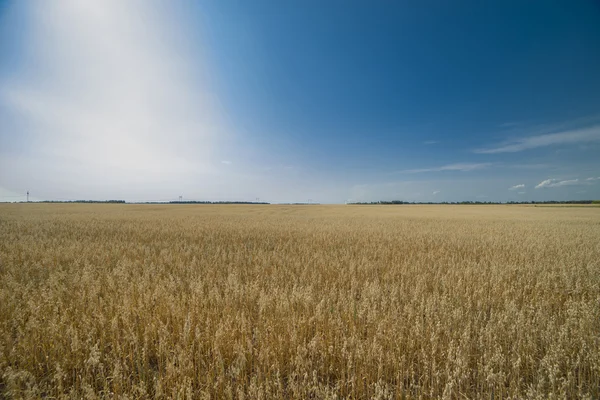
column 156, row 301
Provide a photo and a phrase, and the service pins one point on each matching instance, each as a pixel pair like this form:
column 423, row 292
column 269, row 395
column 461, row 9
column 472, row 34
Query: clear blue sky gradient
column 420, row 101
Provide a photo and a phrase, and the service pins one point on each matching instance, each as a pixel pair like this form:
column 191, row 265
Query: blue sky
column 286, row 101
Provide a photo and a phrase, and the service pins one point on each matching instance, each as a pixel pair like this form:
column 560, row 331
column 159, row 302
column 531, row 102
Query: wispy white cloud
column 570, row 182
column 430, row 142
column 545, row 183
column 113, row 96
column 586, row 135
column 435, row 192
column 551, row 183
column 464, row 167
column 516, row 187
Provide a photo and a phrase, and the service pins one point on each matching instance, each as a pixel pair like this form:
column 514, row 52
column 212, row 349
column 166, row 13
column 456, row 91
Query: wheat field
column 324, row 302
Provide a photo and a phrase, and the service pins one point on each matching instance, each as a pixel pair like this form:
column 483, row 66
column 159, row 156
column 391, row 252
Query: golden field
column 266, row 301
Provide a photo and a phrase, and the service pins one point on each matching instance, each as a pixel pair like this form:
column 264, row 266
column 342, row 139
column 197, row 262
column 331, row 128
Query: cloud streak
column 587, row 135
column 463, row 167
column 516, row 187
column 552, row 183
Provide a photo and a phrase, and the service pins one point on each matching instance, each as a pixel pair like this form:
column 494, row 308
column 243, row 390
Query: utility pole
column 28, row 196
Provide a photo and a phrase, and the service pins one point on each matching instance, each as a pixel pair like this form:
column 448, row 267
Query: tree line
column 479, row 202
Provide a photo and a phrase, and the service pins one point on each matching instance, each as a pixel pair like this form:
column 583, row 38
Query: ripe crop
column 226, row 301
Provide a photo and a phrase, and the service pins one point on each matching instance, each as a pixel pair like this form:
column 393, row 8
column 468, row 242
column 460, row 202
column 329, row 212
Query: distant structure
column 180, row 198
column 28, row 196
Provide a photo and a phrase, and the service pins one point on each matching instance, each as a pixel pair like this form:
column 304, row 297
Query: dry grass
column 208, row 301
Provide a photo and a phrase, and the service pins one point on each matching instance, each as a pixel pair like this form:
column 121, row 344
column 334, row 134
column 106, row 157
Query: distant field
column 265, row 301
